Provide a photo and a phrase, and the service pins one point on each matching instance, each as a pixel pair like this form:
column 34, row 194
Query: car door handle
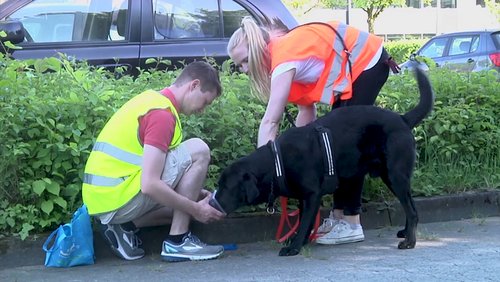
column 470, row 60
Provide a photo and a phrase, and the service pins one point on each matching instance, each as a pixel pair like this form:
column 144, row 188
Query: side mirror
column 413, row 56
column 14, row 31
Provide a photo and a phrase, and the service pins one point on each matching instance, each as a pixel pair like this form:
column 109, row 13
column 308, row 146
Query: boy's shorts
column 178, row 161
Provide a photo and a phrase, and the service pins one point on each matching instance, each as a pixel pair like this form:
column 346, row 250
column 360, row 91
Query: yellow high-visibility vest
column 112, row 174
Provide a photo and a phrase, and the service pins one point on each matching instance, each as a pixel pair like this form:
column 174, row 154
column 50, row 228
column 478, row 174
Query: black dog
column 365, row 139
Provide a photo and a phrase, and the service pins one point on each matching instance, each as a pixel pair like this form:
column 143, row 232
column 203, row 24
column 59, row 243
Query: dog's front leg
column 307, row 215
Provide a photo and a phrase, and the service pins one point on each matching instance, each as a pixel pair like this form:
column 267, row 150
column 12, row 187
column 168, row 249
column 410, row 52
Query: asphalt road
column 466, row 250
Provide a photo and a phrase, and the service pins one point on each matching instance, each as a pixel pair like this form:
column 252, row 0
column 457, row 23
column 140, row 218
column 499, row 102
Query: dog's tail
column 424, row 107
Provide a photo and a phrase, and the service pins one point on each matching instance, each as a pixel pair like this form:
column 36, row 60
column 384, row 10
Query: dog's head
column 238, row 187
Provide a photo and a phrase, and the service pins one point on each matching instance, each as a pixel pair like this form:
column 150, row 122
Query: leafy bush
column 458, row 145
column 402, row 49
column 52, row 111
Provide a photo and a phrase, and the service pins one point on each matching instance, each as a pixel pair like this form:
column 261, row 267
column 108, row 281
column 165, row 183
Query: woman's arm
column 280, row 89
column 306, row 115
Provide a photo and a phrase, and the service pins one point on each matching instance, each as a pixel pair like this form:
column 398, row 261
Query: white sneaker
column 342, row 233
column 327, row 225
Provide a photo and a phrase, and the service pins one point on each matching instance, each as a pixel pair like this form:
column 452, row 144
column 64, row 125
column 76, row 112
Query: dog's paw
column 401, row 233
column 287, row 251
column 404, row 245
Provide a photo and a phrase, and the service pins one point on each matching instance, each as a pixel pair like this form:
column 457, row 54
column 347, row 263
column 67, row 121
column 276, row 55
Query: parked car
column 113, row 33
column 461, row 51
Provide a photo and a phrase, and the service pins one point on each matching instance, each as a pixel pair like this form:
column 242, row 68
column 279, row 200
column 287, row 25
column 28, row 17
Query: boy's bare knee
column 198, row 149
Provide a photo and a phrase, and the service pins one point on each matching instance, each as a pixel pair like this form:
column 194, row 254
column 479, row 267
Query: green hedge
column 402, row 49
column 52, row 111
column 458, row 146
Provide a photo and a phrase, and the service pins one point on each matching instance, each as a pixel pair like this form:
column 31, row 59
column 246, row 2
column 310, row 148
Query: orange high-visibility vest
column 321, row 42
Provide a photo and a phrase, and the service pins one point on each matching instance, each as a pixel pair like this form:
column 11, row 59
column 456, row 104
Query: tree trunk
column 370, row 20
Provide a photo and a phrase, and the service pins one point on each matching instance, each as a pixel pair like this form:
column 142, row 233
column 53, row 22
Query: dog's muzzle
column 215, row 204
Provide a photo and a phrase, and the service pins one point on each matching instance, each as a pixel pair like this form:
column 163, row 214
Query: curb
column 248, row 228
column 260, row 227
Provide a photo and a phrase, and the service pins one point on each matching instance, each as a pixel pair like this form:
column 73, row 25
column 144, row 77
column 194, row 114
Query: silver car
column 461, row 51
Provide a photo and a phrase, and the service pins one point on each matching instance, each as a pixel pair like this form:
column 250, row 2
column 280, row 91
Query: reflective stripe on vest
column 103, row 181
column 328, row 91
column 116, row 153
column 340, row 62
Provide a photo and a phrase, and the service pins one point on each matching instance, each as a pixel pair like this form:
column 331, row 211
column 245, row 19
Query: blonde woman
column 329, row 63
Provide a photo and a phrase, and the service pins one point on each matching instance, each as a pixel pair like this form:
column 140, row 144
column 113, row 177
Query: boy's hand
column 205, row 212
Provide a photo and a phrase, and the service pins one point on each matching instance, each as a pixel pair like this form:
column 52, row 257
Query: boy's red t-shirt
column 156, row 128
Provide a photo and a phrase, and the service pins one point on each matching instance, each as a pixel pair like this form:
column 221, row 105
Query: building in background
column 417, row 20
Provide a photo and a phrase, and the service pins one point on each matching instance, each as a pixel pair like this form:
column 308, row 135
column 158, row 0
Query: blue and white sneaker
column 191, row 248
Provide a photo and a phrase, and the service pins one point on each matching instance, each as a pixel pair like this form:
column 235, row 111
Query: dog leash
column 292, row 228
column 279, row 175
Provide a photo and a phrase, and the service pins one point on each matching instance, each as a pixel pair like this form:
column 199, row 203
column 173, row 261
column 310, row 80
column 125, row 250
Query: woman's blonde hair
column 259, row 60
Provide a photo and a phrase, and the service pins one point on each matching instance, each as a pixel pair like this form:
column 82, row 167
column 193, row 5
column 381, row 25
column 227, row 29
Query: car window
column 186, row 19
column 435, row 48
column 496, row 39
column 232, row 14
column 72, row 20
column 463, row 45
column 196, row 18
column 475, row 44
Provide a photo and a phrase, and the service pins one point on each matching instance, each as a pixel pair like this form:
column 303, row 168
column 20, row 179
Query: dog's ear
column 250, row 187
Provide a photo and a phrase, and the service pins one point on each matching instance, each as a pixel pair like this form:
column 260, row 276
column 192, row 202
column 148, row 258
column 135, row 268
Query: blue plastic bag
column 73, row 244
